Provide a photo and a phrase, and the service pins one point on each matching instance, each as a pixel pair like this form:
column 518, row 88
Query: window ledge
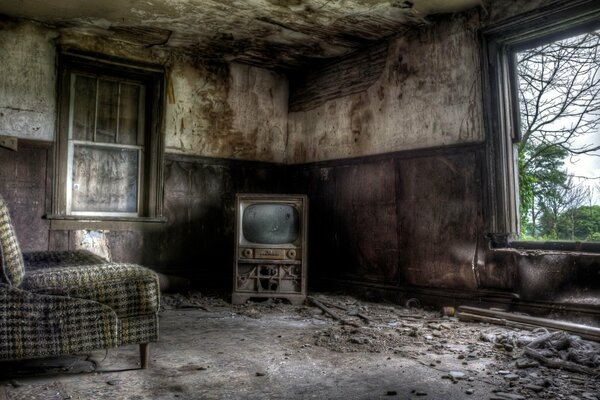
column 552, row 246
column 78, row 222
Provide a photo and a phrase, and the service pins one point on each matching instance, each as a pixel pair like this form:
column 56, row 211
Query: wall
column 196, row 241
column 24, row 181
column 411, row 224
column 225, row 131
column 381, row 219
column 27, row 81
column 198, row 238
column 214, row 109
column 423, row 90
column 228, row 111
column 390, row 145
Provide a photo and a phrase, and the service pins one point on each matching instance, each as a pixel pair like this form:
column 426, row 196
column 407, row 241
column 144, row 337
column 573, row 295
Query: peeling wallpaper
column 213, row 109
column 237, row 112
column 428, row 94
column 423, row 91
column 27, row 82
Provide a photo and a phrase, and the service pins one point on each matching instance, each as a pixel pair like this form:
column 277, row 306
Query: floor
column 210, row 349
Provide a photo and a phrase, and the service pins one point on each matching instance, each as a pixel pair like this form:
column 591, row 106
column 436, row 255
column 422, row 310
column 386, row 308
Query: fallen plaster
column 210, row 349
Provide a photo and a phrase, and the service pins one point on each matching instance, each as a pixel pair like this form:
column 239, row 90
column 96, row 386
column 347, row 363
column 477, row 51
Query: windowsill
column 78, row 222
column 566, row 246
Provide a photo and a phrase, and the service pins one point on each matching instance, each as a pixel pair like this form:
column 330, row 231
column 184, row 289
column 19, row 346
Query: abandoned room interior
column 256, row 199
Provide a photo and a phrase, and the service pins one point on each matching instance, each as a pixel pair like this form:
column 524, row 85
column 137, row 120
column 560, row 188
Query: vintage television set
column 270, row 247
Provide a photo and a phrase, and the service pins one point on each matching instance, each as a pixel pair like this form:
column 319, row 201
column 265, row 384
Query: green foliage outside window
column 559, row 102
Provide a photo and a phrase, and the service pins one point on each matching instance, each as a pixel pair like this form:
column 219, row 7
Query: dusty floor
column 210, row 349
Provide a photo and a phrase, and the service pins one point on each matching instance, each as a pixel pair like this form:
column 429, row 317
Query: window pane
column 559, row 154
column 108, row 106
column 128, row 118
column 84, row 107
column 104, row 180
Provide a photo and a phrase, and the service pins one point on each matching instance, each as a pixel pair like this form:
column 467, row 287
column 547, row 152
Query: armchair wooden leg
column 144, row 354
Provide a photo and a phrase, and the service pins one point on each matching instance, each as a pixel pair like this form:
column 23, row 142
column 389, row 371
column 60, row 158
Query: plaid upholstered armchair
column 54, row 303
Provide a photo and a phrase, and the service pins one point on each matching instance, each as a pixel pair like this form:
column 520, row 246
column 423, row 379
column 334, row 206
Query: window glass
column 109, row 143
column 105, row 179
column 84, row 107
column 108, row 111
column 129, row 114
column 106, row 146
column 558, row 87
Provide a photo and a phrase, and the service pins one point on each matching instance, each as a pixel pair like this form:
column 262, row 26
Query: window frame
column 500, row 42
column 150, row 191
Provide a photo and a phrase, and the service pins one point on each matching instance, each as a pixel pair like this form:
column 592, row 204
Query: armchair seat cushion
column 49, row 259
column 128, row 289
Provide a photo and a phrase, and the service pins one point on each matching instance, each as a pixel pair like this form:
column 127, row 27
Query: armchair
column 55, row 303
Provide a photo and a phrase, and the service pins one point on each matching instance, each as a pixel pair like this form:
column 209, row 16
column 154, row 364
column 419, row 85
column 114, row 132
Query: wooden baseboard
column 438, row 297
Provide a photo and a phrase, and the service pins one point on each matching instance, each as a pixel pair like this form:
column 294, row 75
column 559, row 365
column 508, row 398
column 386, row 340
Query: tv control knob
column 291, row 253
column 247, row 253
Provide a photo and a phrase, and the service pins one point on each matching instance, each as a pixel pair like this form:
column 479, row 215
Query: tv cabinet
column 286, row 281
column 265, row 267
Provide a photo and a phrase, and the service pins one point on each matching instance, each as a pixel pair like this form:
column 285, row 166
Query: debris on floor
column 518, row 320
column 560, row 350
column 335, row 346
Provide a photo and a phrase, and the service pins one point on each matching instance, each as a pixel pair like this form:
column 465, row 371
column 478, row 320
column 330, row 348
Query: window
column 109, row 144
column 542, row 95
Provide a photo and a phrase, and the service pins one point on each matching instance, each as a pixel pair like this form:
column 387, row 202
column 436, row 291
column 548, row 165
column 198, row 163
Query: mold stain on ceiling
column 278, row 34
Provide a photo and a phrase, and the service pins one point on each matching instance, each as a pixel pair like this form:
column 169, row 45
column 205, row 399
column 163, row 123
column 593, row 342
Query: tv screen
column 270, row 223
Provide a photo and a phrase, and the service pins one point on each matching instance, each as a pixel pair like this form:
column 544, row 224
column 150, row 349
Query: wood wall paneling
column 23, row 184
column 401, row 219
column 408, row 221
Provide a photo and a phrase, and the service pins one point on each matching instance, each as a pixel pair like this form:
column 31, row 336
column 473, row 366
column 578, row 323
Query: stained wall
column 389, row 144
column 420, row 90
column 27, row 81
column 213, row 108
column 225, row 130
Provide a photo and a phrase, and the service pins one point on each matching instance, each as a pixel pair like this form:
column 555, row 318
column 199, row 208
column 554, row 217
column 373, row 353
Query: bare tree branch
column 559, row 100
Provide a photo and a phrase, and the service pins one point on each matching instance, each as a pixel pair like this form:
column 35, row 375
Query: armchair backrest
column 12, row 267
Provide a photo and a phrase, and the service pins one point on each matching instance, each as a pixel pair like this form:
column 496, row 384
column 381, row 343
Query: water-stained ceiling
column 272, row 33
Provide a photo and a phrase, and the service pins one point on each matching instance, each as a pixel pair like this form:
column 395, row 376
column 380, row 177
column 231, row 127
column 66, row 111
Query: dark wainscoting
column 398, row 225
column 411, row 224
column 196, row 242
column 25, row 183
column 410, row 218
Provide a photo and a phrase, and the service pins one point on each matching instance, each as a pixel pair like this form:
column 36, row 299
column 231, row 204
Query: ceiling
column 285, row 34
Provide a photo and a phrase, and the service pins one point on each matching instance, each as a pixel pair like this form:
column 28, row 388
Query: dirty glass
column 108, row 109
column 84, row 107
column 129, row 114
column 106, row 114
column 104, row 179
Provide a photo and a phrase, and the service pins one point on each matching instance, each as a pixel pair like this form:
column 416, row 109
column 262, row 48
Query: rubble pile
column 520, row 363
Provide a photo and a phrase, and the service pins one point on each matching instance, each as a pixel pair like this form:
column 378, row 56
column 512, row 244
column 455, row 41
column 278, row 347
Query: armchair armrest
column 128, row 289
